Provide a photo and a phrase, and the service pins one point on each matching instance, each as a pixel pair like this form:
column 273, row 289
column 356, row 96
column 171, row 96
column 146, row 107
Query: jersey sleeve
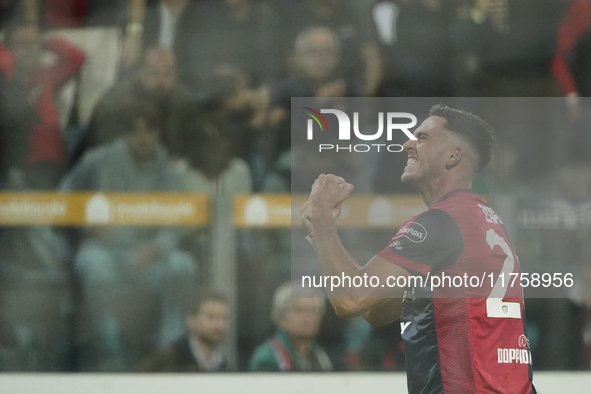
column 428, row 242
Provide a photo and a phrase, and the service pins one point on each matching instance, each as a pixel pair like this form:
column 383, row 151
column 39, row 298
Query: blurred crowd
column 200, row 102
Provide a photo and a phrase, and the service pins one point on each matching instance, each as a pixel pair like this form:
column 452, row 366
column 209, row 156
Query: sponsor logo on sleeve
column 414, row 232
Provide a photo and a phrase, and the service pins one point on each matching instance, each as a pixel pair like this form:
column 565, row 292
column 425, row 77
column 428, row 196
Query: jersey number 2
column 495, row 306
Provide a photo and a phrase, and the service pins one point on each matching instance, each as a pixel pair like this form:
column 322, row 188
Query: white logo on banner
column 98, row 209
column 256, row 211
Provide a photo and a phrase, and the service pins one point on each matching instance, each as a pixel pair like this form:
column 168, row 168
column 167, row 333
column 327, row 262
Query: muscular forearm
column 335, row 261
column 332, row 256
column 318, row 219
column 350, row 301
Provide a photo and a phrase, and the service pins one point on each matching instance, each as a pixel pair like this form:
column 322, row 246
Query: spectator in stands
column 370, row 349
column 54, row 13
column 236, row 33
column 10, row 359
column 210, row 147
column 8, row 10
column 33, row 147
column 511, row 44
column 293, row 347
column 59, row 14
column 570, row 66
column 572, row 59
column 361, row 62
column 318, row 56
column 167, row 23
column 244, row 109
column 155, row 80
column 418, row 47
column 207, row 322
column 214, row 169
column 224, row 53
column 113, row 261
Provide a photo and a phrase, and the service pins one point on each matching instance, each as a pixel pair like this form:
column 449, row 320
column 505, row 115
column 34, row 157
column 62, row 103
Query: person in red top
column 574, row 41
column 570, row 66
column 458, row 339
column 34, row 152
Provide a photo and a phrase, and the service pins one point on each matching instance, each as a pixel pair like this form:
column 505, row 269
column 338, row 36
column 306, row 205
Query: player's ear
column 455, row 156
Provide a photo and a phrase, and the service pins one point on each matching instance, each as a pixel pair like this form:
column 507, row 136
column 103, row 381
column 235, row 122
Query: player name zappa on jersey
column 490, row 215
column 517, row 355
column 414, row 232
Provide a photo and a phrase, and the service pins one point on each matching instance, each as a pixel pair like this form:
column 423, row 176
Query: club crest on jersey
column 523, row 341
column 414, row 232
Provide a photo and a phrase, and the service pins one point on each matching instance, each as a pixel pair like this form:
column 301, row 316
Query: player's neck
column 435, row 190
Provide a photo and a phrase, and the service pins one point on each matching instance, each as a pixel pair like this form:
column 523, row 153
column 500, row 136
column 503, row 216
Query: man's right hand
column 328, row 193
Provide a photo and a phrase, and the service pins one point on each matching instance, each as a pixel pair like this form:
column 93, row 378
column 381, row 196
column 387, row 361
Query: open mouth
column 411, row 161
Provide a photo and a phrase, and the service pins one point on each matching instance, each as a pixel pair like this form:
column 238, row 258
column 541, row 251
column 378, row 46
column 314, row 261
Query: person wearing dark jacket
column 199, row 351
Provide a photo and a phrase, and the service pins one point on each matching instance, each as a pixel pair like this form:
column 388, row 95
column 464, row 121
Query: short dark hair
column 469, row 127
column 204, row 296
column 144, row 109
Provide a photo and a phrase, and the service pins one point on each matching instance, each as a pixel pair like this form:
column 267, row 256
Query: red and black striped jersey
column 463, row 330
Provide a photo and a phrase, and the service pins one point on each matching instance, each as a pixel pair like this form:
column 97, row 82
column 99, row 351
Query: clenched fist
column 328, row 193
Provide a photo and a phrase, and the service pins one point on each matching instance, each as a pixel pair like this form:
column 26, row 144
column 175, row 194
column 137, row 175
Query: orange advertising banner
column 104, row 209
column 364, row 211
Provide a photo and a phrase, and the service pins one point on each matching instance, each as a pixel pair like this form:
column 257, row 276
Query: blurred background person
column 350, row 21
column 200, row 350
column 508, row 48
column 293, row 347
column 374, row 349
column 59, row 14
column 317, row 56
column 33, row 148
column 417, row 44
column 8, row 11
column 572, row 58
column 241, row 34
column 214, row 166
column 116, row 265
column 156, row 80
column 166, row 23
column 570, row 67
column 10, row 358
column 242, row 109
column 36, row 295
column 510, row 45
